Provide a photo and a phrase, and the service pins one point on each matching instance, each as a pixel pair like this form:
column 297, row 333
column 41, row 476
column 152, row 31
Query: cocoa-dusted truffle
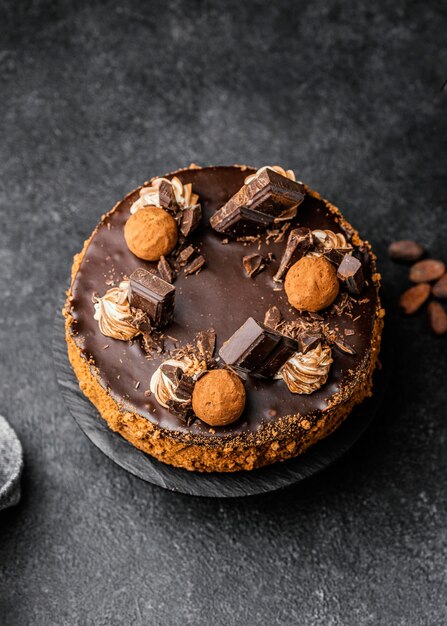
column 311, row 283
column 151, row 233
column 218, row 398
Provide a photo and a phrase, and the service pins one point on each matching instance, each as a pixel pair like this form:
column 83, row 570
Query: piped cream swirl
column 150, row 196
column 287, row 173
column 327, row 240
column 112, row 312
column 305, row 373
column 162, row 387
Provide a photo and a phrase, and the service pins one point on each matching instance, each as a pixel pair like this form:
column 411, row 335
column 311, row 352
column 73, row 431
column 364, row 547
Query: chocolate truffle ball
column 311, row 283
column 218, row 398
column 150, row 233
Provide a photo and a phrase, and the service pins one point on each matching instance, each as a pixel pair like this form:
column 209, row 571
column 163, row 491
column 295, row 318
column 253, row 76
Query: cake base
column 225, row 485
column 275, row 426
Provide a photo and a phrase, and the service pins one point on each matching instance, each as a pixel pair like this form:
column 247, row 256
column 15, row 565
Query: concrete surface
column 95, row 98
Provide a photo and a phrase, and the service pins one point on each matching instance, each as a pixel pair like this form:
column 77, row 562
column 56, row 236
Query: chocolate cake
column 224, row 318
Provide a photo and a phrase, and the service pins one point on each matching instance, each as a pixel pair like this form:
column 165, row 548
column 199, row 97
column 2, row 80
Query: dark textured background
column 94, row 100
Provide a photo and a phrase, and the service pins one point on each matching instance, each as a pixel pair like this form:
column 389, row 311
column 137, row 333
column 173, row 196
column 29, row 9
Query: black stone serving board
column 216, row 485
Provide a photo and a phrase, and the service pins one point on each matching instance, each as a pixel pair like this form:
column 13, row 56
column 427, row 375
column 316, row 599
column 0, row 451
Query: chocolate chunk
column 185, row 255
column 165, row 270
column 195, row 265
column 257, row 349
column 206, row 344
column 344, row 347
column 405, row 250
column 166, row 195
column 253, row 263
column 272, row 317
column 350, row 272
column 440, row 288
column 172, row 372
column 298, row 243
column 437, row 318
column 412, row 299
column 183, row 386
column 190, row 219
column 266, row 197
column 153, row 295
column 426, row 271
column 335, row 255
column 308, row 341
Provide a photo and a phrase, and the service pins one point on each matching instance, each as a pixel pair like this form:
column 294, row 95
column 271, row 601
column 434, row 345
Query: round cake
column 224, row 318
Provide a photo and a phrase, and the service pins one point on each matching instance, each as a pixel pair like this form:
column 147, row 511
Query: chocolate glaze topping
column 222, row 297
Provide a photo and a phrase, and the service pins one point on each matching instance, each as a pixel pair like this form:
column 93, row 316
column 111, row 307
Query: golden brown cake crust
column 285, row 438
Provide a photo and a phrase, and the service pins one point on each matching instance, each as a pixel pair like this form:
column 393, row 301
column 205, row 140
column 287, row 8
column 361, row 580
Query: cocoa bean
column 440, row 288
column 405, row 250
column 437, row 318
column 426, row 271
column 412, row 299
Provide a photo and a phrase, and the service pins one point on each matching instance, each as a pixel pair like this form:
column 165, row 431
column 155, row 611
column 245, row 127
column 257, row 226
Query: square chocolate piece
column 267, row 196
column 153, row 295
column 257, row 349
column 350, row 272
column 166, row 195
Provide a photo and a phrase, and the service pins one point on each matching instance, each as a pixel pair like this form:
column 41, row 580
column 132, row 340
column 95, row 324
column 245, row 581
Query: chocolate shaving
column 253, row 263
column 195, row 265
column 272, row 317
column 280, row 236
column 344, row 347
column 140, row 319
column 248, row 239
column 165, row 270
column 342, row 304
column 298, row 243
column 152, row 344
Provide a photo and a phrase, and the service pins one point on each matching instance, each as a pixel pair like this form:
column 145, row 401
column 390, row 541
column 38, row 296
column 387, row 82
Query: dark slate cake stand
column 225, row 485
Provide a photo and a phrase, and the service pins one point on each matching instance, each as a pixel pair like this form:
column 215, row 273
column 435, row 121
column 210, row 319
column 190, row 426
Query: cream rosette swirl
column 150, row 195
column 164, row 388
column 305, row 373
column 277, row 168
column 328, row 240
column 113, row 314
